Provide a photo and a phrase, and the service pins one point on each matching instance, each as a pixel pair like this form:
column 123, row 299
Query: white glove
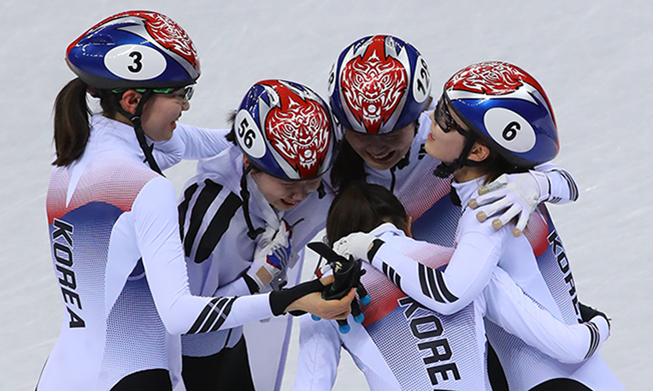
column 356, row 244
column 273, row 251
column 512, row 195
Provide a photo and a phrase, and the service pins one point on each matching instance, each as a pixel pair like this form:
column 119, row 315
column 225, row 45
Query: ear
column 478, row 153
column 130, row 100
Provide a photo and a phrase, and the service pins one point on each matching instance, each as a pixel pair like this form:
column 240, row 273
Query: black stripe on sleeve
column 432, row 284
column 217, row 227
column 226, row 310
column 183, row 207
column 573, row 189
column 594, row 339
column 204, row 200
column 202, row 316
column 443, row 288
column 392, row 274
column 422, row 280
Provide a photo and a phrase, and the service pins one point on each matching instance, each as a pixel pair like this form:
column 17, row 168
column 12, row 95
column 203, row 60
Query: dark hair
column 348, row 166
column 72, row 119
column 231, row 122
column 495, row 165
column 362, row 207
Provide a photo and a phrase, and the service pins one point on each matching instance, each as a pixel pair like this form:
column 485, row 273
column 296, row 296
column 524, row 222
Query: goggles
column 444, row 119
column 183, row 93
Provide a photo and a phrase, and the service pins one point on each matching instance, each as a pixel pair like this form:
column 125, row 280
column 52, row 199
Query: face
column 382, row 151
column 284, row 195
column 161, row 113
column 445, row 146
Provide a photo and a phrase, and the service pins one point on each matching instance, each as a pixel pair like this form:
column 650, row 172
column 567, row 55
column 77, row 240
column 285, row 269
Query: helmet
column 379, row 83
column 507, row 107
column 134, row 49
column 285, row 130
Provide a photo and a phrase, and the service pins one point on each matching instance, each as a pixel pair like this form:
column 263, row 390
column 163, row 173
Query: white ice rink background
column 593, row 58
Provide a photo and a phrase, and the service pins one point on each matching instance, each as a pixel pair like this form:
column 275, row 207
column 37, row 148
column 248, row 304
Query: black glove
column 346, row 274
column 587, row 313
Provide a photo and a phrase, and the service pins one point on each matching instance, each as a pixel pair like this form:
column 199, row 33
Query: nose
column 185, row 105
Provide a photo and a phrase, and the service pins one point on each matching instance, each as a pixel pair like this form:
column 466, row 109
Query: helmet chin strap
column 244, row 194
column 443, row 170
column 135, row 120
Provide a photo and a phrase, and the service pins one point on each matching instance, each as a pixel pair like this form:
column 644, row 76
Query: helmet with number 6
column 134, row 49
column 378, row 84
column 507, row 108
column 285, row 129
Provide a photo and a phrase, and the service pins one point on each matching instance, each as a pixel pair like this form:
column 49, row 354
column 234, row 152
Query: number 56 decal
column 248, row 135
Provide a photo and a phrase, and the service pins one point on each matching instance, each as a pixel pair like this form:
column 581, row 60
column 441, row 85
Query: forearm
column 516, row 313
column 445, row 292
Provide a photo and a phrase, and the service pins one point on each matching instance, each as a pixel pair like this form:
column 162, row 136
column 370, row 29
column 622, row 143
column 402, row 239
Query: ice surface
column 594, row 59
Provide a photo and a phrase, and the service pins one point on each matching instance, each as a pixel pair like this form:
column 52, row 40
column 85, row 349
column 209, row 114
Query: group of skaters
column 440, row 200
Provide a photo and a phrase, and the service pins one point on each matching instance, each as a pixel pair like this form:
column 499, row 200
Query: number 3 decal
column 135, row 62
column 137, row 65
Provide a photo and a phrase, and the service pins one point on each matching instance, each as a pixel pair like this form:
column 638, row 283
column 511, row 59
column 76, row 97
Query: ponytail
column 71, row 122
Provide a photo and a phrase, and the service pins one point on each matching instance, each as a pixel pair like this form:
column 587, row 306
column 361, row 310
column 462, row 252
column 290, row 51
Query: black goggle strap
column 244, row 194
column 135, row 119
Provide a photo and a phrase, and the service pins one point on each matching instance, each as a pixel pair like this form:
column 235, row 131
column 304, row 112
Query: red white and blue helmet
column 508, row 108
column 286, row 130
column 378, row 84
column 134, row 49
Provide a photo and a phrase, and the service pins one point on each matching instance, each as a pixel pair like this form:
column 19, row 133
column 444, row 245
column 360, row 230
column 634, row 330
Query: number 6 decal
column 509, row 129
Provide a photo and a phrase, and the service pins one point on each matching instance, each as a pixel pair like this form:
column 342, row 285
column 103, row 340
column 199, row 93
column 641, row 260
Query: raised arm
column 190, row 142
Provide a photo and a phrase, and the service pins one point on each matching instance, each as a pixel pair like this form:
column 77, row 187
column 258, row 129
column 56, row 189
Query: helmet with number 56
column 286, row 130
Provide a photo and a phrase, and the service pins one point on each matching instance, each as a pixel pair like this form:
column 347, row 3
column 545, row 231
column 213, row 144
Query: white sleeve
column 511, row 309
column 470, row 268
column 562, row 186
column 190, row 142
column 319, row 355
column 157, row 238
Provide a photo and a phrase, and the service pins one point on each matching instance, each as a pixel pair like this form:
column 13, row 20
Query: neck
column 467, row 173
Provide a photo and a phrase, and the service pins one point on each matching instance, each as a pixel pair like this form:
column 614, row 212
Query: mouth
column 289, row 204
column 381, row 158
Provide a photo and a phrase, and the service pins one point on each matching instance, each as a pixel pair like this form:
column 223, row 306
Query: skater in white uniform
column 113, row 220
column 494, row 118
column 266, row 194
column 404, row 345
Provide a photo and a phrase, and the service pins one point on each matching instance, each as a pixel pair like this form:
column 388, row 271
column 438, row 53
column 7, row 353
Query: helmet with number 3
column 506, row 107
column 134, row 49
column 378, row 84
column 285, row 129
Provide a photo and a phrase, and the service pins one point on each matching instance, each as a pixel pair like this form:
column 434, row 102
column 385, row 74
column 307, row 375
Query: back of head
column 378, row 84
column 507, row 109
column 362, row 207
column 285, row 130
